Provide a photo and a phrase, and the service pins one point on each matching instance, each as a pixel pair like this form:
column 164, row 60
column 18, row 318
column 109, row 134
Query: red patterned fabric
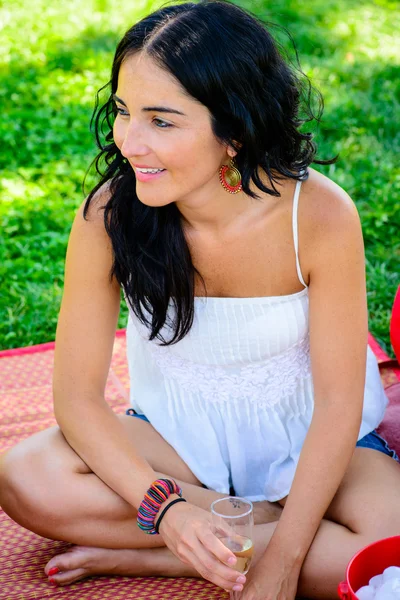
column 25, row 408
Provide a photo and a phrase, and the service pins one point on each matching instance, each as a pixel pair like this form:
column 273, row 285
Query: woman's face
column 158, row 126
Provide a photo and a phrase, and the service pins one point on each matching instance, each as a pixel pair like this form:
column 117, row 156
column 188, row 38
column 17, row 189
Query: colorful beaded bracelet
column 159, row 491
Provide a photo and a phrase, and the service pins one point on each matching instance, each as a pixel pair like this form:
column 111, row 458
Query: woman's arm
column 338, row 344
column 333, row 256
column 84, row 342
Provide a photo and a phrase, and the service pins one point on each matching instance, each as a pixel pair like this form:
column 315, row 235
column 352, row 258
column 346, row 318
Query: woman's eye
column 122, row 111
column 161, row 124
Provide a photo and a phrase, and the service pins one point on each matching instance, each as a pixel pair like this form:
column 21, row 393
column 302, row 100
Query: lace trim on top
column 263, row 383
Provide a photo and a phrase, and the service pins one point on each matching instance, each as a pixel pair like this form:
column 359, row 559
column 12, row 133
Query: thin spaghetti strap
column 295, row 230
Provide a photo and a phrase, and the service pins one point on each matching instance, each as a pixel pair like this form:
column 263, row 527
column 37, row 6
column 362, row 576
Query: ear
column 233, row 151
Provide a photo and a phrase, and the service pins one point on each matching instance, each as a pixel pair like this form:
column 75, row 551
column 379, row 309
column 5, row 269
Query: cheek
column 200, row 155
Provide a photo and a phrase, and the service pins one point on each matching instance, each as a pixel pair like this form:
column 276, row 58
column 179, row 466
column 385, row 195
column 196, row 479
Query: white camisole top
column 234, row 397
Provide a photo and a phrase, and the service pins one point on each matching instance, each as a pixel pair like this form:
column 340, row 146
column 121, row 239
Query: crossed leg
column 47, row 488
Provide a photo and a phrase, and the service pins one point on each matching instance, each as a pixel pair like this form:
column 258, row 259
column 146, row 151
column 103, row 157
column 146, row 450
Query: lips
column 145, row 166
column 148, row 176
column 149, row 169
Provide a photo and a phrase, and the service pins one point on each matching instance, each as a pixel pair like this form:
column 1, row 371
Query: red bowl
column 368, row 562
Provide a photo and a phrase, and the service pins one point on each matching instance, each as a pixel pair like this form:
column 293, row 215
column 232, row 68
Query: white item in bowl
column 391, row 573
column 367, row 592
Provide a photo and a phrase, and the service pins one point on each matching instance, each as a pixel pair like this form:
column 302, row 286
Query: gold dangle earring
column 230, row 177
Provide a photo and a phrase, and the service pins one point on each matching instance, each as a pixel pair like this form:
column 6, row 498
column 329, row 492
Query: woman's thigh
column 50, row 448
column 368, row 498
column 45, row 486
column 153, row 447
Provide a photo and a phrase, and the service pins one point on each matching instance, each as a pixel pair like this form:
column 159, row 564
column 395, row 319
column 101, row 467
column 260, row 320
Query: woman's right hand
column 188, row 532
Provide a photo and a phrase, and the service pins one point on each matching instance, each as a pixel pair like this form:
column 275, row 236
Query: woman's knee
column 33, row 479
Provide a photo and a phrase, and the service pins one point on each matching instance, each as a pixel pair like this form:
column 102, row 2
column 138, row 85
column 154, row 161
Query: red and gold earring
column 230, row 178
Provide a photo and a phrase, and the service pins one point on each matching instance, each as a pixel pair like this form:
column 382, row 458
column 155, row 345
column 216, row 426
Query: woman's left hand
column 271, row 579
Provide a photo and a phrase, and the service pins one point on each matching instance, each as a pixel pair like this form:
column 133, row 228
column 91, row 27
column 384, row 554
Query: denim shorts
column 132, row 413
column 376, row 442
column 372, row 440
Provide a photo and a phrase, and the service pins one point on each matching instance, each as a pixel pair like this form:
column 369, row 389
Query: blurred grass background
column 55, row 55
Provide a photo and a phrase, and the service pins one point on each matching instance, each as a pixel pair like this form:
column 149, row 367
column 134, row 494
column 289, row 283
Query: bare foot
column 79, row 562
column 84, row 561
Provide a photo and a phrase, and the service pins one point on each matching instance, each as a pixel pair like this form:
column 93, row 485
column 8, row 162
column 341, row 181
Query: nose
column 133, row 142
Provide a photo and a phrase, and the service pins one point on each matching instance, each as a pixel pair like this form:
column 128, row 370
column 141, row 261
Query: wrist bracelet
column 159, row 491
column 160, row 518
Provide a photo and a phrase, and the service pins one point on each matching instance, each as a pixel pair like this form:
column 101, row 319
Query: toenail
column 52, row 581
column 53, row 571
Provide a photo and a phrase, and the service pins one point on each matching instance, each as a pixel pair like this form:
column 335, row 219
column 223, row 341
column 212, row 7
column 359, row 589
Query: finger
column 213, row 570
column 222, row 530
column 213, row 576
column 217, row 548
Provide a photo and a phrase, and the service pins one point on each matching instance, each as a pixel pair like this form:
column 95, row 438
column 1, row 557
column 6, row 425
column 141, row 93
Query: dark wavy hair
column 225, row 58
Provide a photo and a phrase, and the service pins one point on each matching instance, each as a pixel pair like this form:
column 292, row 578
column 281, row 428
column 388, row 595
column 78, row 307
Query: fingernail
column 241, row 579
column 237, row 588
column 232, row 560
column 53, row 571
column 52, row 581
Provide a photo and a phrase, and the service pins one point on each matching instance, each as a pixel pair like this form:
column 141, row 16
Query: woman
column 247, row 333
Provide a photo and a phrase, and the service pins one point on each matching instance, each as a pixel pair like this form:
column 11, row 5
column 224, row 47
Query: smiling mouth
column 148, row 174
column 148, row 170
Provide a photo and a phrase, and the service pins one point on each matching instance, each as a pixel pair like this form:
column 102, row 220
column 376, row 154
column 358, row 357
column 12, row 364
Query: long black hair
column 225, row 58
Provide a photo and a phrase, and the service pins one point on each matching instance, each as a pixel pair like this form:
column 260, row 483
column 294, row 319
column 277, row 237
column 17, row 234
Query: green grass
column 54, row 56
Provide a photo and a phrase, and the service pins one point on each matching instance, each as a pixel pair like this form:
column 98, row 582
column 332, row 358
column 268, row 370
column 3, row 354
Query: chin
column 154, row 201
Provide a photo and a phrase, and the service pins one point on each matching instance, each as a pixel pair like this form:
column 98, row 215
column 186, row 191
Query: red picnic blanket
column 26, row 406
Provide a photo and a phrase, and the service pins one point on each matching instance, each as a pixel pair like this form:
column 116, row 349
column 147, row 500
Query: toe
column 68, row 561
column 68, row 577
column 53, row 566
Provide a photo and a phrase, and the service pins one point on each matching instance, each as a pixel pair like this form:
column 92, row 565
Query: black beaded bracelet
column 157, row 526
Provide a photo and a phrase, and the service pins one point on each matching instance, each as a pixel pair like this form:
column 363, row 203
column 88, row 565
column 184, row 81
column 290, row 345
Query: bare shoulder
column 95, row 207
column 89, row 248
column 329, row 225
column 326, row 207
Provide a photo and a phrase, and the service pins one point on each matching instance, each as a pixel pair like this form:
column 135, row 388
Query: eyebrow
column 162, row 109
